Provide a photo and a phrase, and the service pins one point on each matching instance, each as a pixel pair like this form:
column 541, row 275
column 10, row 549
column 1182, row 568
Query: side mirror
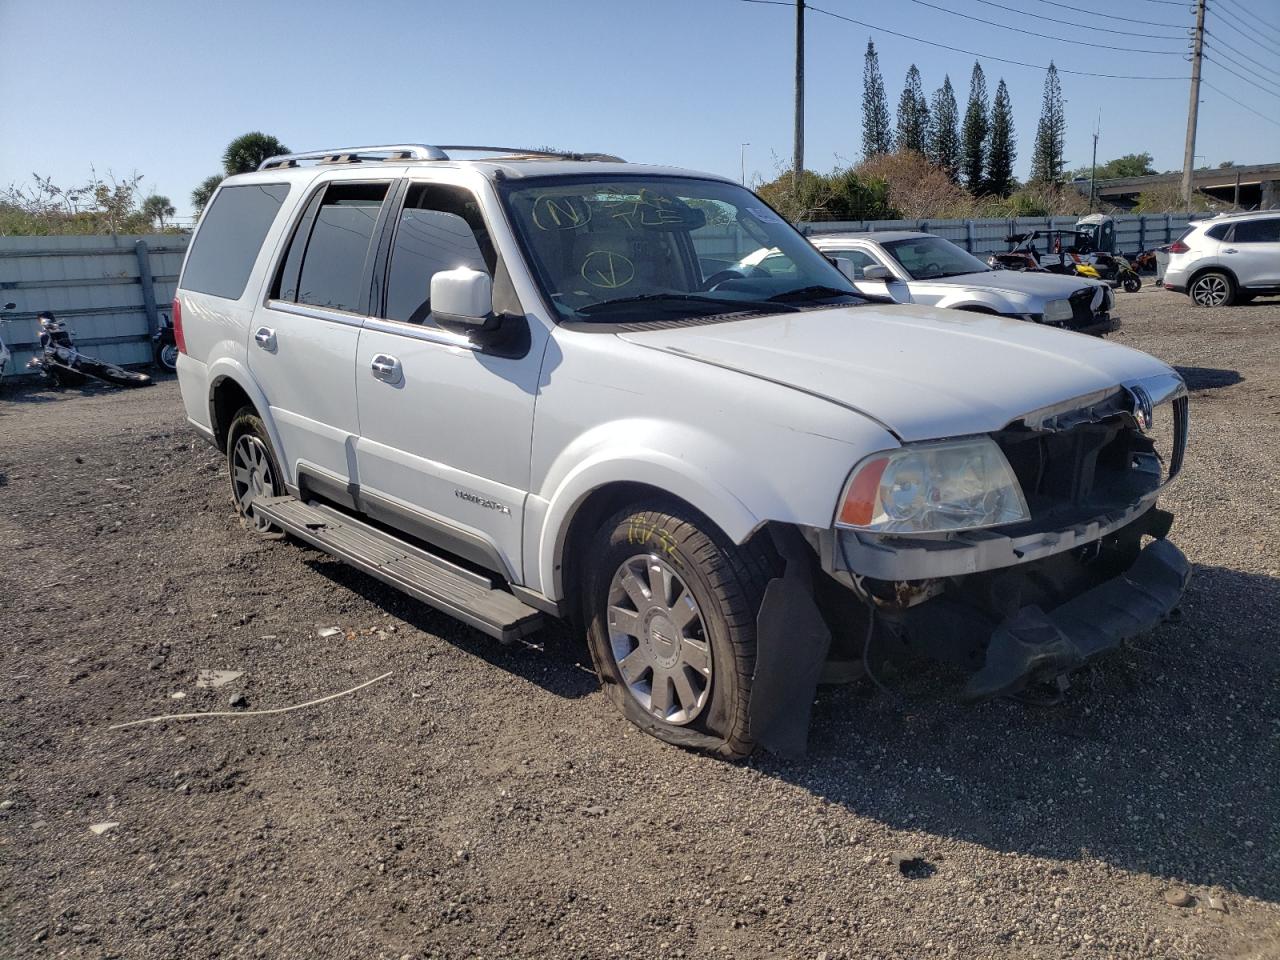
column 463, row 299
column 877, row 272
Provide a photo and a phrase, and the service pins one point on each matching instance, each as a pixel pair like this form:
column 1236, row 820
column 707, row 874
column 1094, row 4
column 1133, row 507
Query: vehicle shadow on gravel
column 1163, row 758
column 1208, row 378
column 551, row 659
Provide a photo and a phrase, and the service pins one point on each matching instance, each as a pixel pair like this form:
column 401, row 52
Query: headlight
column 933, row 487
column 1056, row 311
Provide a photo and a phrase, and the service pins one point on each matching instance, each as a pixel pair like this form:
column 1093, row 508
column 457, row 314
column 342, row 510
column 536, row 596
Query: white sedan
column 911, row 267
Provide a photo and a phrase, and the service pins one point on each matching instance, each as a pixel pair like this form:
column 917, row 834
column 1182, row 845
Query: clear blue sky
column 160, row 86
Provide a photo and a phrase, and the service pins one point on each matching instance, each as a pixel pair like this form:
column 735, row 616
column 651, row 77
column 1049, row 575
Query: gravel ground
column 487, row 802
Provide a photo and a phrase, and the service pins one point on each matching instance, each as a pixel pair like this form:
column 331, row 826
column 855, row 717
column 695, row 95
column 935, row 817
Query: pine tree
column 1002, row 151
column 973, row 138
column 913, row 115
column 877, row 138
column 1047, row 161
column 944, row 140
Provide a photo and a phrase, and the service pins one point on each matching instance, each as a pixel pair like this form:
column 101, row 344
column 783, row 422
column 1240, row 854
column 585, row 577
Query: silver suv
column 1227, row 259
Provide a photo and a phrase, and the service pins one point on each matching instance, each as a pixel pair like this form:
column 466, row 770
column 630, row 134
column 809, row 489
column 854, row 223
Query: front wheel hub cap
column 658, row 639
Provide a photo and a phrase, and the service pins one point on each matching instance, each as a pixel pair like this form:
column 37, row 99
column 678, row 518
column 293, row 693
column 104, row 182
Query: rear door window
column 440, row 227
column 1215, row 233
column 327, row 261
column 1257, row 231
column 230, row 236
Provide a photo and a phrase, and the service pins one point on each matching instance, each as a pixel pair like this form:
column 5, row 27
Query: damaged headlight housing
column 934, row 487
column 1057, row 311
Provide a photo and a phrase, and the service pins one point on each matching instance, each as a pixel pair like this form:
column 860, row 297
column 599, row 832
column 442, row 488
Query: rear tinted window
column 1257, row 231
column 1218, row 232
column 227, row 243
column 325, row 265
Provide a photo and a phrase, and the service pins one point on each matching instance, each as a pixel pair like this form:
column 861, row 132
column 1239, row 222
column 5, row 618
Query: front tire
column 253, row 469
column 1212, row 288
column 167, row 357
column 671, row 609
column 1132, row 283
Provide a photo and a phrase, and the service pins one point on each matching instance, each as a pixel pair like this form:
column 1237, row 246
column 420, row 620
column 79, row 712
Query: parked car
column 911, row 267
column 523, row 386
column 1230, row 258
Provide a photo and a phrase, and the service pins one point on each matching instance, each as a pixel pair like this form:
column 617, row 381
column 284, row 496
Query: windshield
column 618, row 248
column 929, row 258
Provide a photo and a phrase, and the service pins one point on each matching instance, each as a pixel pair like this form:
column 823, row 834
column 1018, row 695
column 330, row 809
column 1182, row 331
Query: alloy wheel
column 251, row 477
column 658, row 639
column 1210, row 291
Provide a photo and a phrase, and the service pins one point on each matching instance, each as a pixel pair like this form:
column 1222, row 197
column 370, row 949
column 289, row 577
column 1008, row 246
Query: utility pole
column 1093, row 168
column 797, row 160
column 742, row 161
column 1189, row 155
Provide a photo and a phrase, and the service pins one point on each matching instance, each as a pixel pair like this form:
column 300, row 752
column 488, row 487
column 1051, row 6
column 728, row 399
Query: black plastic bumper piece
column 1033, row 645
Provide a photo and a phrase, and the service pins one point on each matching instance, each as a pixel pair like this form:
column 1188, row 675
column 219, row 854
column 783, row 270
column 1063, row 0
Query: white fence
column 1133, row 232
column 109, row 289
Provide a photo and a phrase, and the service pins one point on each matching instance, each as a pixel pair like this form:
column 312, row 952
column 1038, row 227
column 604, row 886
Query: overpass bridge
column 1252, row 187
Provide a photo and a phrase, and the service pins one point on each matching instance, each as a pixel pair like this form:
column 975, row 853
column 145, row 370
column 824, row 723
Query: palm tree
column 158, row 209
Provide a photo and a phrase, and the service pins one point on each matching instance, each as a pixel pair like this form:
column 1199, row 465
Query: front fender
column 787, row 475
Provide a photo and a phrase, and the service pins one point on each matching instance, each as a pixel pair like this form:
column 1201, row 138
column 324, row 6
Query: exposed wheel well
column 225, row 400
column 1226, row 271
column 978, row 308
column 599, row 505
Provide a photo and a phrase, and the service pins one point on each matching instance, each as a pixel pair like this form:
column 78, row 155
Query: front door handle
column 386, row 368
column 265, row 337
column 1230, row 250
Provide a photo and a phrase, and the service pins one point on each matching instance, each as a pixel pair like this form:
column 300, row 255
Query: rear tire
column 1213, row 288
column 1132, row 283
column 671, row 605
column 167, row 357
column 253, row 470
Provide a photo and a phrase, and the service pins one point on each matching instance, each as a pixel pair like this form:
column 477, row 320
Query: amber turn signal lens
column 860, row 498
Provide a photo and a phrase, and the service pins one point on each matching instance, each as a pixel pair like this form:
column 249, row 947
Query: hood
column 923, row 372
column 1048, row 286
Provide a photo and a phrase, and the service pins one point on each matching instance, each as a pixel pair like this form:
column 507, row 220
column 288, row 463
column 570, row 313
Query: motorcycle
column 165, row 346
column 65, row 366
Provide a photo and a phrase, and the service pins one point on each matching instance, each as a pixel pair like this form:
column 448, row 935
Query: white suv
column 535, row 386
column 1227, row 259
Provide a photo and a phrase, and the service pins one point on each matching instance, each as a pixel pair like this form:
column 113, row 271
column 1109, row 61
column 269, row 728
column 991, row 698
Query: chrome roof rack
column 399, row 152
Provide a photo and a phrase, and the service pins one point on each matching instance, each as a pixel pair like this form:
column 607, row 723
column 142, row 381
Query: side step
column 469, row 596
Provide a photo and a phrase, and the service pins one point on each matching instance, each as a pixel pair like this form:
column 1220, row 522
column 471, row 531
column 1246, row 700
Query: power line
column 1254, row 73
column 1250, row 13
column 1218, row 42
column 1110, row 16
column 1036, row 16
column 1252, row 83
column 1268, row 46
column 971, row 53
column 1245, row 106
column 1045, row 36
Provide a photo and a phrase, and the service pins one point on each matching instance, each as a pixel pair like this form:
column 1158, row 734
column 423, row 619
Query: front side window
column 326, row 262
column 859, row 260
column 230, row 236
column 1257, row 231
column 931, row 258
column 440, row 227
column 630, row 247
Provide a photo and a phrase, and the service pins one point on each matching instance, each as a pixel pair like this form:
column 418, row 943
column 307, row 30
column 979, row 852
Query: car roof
column 882, row 236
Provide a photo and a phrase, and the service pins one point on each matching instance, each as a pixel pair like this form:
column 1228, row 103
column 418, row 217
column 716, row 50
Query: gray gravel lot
column 488, row 802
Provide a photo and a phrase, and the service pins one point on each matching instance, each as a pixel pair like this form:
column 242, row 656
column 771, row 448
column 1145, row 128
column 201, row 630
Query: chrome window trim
column 428, row 334
column 317, row 313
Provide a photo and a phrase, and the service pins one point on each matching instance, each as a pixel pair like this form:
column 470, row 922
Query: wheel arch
column 229, row 391
column 1213, row 268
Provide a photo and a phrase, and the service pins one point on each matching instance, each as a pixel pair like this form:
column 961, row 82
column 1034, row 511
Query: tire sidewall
column 1231, row 289
column 247, row 421
column 619, row 540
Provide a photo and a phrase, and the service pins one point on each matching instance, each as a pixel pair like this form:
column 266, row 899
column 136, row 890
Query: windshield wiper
column 815, row 292
column 683, row 298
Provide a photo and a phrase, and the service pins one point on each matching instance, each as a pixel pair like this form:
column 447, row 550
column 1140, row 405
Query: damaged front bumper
column 1033, row 644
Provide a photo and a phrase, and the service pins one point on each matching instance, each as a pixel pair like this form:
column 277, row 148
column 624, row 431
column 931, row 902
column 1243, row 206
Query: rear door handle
column 265, row 337
column 385, row 368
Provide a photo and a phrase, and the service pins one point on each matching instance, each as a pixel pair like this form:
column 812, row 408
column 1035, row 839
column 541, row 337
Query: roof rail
column 398, row 152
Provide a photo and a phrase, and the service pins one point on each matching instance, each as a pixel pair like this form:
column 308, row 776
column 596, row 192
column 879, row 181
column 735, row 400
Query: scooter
column 65, row 366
